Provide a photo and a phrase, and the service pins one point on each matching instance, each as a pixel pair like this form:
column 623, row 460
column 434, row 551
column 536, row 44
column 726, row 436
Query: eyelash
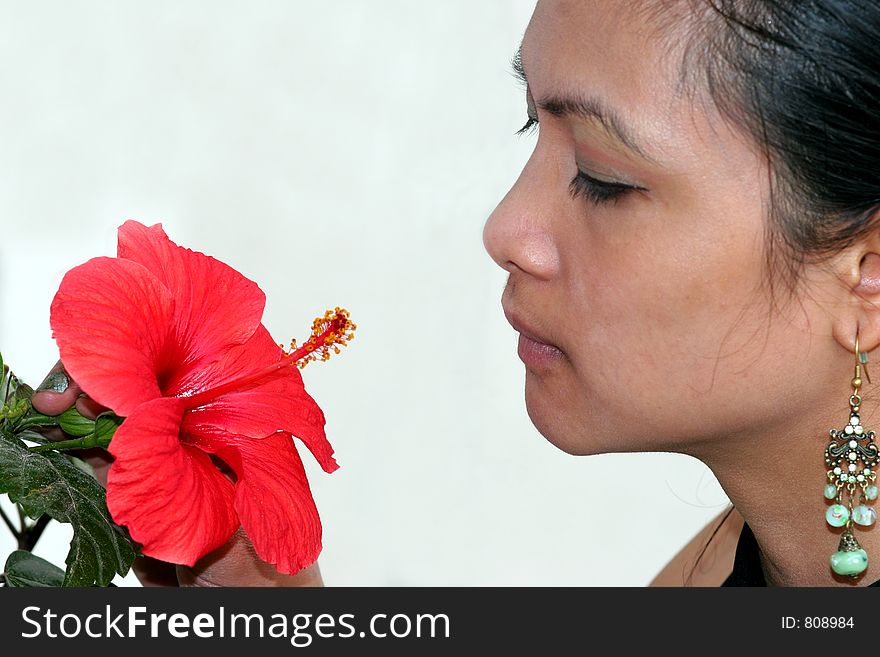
column 597, row 191
column 529, row 127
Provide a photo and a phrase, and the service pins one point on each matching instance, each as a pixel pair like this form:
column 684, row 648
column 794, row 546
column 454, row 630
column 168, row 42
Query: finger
column 56, row 393
column 88, row 407
column 237, row 564
column 99, row 459
column 152, row 572
column 52, row 433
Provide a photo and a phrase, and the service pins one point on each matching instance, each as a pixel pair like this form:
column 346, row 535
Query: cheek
column 671, row 319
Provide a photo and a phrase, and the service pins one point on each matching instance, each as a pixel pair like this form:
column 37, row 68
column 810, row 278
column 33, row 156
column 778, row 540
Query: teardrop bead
column 871, row 492
column 830, row 491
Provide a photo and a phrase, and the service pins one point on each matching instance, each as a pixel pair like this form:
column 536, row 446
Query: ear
column 859, row 270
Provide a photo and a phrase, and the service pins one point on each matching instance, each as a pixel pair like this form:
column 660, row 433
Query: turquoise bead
column 837, row 515
column 830, row 491
column 849, row 563
column 871, row 492
column 864, row 515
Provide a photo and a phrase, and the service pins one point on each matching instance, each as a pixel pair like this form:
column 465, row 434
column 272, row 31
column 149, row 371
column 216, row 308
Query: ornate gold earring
column 850, row 447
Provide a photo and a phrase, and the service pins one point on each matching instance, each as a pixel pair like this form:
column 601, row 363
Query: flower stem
column 28, row 539
column 75, row 443
column 9, row 524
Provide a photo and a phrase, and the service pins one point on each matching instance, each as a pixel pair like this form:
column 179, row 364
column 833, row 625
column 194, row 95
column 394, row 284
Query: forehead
column 620, row 52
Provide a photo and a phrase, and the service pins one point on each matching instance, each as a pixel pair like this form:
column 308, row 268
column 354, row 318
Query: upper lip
column 523, row 328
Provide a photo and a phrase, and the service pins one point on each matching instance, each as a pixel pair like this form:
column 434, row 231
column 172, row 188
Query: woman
column 691, row 255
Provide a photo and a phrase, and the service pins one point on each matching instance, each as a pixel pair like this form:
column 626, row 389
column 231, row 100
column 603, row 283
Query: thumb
column 56, row 393
column 236, row 564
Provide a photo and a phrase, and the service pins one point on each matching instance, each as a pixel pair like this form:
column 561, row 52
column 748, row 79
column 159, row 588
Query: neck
column 776, row 478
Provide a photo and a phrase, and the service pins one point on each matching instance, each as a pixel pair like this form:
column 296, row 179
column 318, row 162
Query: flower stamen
column 329, row 332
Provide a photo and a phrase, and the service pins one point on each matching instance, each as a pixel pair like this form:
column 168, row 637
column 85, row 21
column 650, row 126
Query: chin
column 551, row 416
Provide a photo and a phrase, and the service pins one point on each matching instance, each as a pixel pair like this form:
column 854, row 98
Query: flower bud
column 105, row 426
column 74, row 424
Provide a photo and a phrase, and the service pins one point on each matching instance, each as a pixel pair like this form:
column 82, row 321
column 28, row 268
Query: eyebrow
column 584, row 107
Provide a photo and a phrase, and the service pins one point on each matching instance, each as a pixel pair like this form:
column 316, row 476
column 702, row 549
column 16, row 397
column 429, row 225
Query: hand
column 56, row 394
column 233, row 564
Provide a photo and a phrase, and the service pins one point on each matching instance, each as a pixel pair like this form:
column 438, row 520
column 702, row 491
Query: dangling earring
column 848, row 447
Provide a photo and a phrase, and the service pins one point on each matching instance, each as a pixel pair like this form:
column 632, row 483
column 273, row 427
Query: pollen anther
column 329, row 332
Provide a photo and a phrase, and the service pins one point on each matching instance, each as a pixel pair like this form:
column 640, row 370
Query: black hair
column 719, row 522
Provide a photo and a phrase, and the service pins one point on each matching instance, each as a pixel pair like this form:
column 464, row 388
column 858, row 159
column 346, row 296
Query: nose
column 519, row 232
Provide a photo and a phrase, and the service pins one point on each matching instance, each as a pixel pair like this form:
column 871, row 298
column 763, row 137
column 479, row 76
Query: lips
column 534, row 349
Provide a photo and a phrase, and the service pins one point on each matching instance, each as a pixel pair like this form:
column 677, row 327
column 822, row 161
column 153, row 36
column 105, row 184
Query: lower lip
column 537, row 354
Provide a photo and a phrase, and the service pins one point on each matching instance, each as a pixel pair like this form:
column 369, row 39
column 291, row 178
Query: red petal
column 281, row 404
column 272, row 498
column 170, row 496
column 111, row 318
column 216, row 307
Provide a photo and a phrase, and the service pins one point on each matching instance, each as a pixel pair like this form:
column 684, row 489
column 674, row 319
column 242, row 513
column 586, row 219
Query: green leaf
column 4, row 381
column 26, row 569
column 22, row 391
column 32, row 436
column 48, row 482
column 81, row 465
column 14, row 389
column 15, row 398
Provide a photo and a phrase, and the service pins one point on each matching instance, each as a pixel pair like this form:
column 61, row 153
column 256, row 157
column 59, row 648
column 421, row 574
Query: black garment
column 747, row 562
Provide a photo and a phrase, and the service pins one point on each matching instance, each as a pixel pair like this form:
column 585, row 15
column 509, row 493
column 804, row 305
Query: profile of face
column 634, row 240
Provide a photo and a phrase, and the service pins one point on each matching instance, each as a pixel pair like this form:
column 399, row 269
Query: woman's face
column 648, row 292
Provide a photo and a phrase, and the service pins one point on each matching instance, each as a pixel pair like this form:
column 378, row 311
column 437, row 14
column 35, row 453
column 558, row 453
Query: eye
column 599, row 191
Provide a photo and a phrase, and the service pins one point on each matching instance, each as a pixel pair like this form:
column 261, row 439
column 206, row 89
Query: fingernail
column 55, row 381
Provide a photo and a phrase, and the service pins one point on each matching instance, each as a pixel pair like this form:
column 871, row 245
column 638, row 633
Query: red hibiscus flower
column 172, row 340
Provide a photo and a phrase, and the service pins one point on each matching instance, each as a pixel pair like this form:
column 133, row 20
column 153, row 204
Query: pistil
column 329, row 332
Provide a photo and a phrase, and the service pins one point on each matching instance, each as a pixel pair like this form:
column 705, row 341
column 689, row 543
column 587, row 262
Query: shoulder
column 707, row 559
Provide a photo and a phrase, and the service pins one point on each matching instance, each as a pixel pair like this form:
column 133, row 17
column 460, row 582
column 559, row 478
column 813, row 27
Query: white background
column 341, row 153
